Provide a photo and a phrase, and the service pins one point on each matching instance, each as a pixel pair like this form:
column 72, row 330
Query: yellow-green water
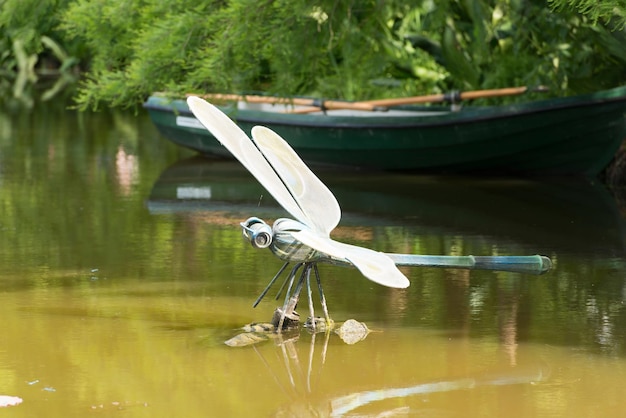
column 79, row 352
column 123, row 272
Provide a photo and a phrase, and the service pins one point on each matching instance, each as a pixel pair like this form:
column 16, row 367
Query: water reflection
column 555, row 216
column 127, row 170
column 298, row 374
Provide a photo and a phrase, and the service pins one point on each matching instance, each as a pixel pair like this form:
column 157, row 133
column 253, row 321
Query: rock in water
column 352, row 331
column 245, row 339
column 319, row 324
column 261, row 327
column 292, row 320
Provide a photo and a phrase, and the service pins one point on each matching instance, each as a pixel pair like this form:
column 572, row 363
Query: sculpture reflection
column 298, row 374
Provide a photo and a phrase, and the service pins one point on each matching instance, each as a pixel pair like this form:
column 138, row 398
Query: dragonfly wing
column 374, row 265
column 240, row 145
column 315, row 199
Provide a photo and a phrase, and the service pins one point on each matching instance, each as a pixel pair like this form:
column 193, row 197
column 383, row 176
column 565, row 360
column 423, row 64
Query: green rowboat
column 565, row 136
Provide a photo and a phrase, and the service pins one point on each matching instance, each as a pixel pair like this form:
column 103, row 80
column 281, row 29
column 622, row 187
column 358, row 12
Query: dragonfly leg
column 291, row 300
column 310, row 295
column 290, row 277
column 267, row 288
column 322, row 297
column 295, row 296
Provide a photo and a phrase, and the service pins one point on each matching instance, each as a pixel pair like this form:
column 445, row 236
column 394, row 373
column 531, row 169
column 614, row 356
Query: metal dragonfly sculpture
column 306, row 240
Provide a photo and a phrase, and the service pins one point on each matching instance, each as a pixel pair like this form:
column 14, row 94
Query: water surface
column 124, row 272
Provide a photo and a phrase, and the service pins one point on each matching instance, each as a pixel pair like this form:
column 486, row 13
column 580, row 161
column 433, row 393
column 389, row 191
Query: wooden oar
column 316, row 103
column 448, row 97
column 453, row 97
column 369, row 105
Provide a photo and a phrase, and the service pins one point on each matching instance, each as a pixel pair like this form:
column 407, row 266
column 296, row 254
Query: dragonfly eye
column 257, row 232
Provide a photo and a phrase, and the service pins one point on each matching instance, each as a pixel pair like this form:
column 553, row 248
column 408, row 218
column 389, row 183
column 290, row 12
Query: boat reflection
column 551, row 216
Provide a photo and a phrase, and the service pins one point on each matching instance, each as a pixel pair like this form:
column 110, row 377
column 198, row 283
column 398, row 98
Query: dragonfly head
column 279, row 239
column 257, row 232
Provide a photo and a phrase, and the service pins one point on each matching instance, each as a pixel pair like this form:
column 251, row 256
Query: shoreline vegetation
column 114, row 53
column 96, row 54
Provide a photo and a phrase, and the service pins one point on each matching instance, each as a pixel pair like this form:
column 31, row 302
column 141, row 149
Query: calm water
column 123, row 273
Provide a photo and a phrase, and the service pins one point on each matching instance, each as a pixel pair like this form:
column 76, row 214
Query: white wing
column 374, row 265
column 297, row 190
column 315, row 199
column 238, row 143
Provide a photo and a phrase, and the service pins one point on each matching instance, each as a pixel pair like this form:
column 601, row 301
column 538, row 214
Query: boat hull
column 568, row 136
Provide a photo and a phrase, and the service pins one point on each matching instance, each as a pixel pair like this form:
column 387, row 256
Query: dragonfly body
column 287, row 248
column 280, row 240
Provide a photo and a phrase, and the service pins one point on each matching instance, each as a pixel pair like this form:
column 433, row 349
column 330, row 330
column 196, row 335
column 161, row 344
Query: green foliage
column 331, row 49
column 27, row 20
column 138, row 46
column 353, row 50
column 32, row 47
column 494, row 44
column 612, row 12
column 356, row 49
